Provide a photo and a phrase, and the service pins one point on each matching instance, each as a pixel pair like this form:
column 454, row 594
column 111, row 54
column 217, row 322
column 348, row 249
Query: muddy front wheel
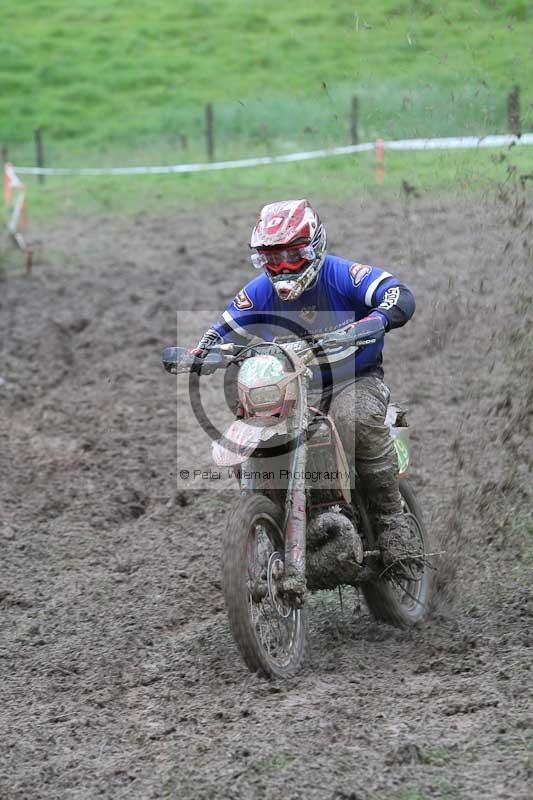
column 269, row 632
column 405, row 602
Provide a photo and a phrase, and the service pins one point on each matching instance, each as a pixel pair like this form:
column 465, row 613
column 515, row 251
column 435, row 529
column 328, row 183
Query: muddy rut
column 119, row 676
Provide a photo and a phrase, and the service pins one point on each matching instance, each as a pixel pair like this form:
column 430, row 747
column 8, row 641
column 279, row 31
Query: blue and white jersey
column 343, row 293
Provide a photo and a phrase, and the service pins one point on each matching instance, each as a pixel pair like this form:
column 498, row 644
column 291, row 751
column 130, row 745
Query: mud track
column 119, row 677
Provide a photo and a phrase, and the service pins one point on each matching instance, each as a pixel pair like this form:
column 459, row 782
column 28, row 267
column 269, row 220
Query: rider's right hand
column 201, row 361
column 189, row 361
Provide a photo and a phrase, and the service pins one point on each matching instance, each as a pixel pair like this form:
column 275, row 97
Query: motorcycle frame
column 296, row 505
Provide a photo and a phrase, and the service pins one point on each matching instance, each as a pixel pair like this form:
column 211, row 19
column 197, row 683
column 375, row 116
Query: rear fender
column 400, row 438
column 397, row 424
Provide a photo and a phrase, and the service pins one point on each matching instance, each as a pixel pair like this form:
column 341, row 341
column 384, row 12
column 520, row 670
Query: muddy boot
column 397, row 536
column 401, row 546
column 359, row 413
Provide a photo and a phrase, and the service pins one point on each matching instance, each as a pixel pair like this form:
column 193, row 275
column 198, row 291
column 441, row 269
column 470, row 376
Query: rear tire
column 404, row 603
column 269, row 634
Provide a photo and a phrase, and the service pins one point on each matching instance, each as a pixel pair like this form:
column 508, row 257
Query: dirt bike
column 287, row 536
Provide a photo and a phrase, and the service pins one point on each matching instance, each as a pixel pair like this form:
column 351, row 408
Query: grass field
column 116, row 83
column 114, row 77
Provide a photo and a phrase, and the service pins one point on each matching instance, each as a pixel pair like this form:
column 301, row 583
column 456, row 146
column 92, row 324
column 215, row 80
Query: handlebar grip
column 338, row 340
column 210, row 362
column 367, row 331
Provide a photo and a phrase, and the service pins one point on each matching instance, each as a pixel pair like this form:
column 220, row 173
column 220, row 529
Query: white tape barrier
column 454, row 143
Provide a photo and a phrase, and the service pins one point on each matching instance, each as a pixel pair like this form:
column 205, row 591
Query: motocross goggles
column 289, row 259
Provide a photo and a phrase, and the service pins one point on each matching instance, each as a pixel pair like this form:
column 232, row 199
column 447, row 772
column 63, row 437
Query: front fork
column 294, row 583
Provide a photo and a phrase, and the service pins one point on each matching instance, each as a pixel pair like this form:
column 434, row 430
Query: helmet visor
column 289, row 259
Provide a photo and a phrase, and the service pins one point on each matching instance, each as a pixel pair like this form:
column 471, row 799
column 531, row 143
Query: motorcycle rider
column 328, row 293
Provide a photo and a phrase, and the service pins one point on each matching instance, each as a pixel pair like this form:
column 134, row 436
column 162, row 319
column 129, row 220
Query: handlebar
column 367, row 331
column 179, row 359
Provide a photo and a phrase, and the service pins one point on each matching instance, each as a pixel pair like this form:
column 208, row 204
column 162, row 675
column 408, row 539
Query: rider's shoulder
column 255, row 294
column 335, row 264
column 350, row 274
column 344, row 270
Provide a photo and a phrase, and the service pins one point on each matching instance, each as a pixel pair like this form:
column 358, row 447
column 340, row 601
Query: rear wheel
column 269, row 632
column 404, row 602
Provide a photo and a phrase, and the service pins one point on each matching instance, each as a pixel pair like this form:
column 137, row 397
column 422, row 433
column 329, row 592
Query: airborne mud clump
column 119, row 676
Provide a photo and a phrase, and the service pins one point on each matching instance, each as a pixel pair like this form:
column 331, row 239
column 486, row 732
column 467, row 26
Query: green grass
column 122, row 81
column 412, row 794
column 408, row 793
column 468, row 172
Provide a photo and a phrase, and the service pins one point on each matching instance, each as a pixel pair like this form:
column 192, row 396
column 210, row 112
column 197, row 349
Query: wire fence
column 274, row 126
column 449, row 143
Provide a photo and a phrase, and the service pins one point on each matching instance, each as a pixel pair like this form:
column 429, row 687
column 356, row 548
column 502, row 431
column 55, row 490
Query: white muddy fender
column 243, row 437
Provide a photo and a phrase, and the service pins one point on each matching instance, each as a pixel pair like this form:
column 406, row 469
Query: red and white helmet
column 291, row 243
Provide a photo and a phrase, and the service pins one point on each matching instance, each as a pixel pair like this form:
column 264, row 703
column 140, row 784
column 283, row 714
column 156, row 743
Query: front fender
column 243, row 437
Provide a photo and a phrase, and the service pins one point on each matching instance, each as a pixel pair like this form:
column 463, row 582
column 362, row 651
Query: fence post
column 39, row 154
column 353, row 121
column 210, row 139
column 513, row 111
